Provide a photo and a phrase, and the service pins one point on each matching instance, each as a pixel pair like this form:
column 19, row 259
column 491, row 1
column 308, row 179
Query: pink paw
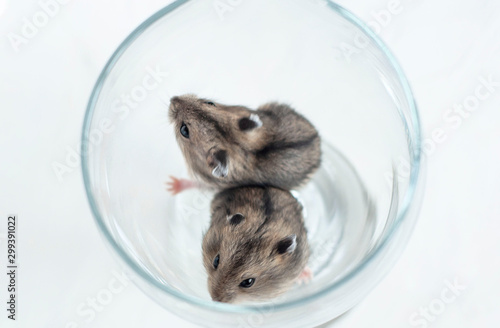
column 305, row 276
column 176, row 186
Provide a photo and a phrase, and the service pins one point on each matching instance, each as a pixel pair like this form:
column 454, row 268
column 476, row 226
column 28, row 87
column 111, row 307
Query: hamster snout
column 256, row 246
column 180, row 105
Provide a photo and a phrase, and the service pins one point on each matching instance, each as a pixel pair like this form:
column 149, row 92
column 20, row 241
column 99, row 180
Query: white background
column 445, row 48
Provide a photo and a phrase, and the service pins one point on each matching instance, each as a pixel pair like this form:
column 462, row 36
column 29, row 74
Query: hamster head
column 205, row 128
column 251, row 252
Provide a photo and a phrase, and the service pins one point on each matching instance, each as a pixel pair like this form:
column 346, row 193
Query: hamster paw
column 176, row 186
column 305, row 277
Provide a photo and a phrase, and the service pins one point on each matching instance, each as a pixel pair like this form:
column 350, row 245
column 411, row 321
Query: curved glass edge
column 220, row 307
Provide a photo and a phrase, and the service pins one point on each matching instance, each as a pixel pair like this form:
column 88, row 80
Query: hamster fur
column 228, row 146
column 256, row 246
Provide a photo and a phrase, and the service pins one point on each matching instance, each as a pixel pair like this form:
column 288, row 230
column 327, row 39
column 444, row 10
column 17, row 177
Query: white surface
column 445, row 47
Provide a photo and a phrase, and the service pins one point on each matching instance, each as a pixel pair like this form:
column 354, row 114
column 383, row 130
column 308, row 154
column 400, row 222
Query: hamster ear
column 250, row 123
column 217, row 159
column 287, row 245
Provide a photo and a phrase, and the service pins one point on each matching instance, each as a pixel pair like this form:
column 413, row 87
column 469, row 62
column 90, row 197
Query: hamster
column 228, row 146
column 256, row 246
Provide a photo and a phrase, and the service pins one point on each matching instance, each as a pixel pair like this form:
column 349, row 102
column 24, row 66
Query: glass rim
column 415, row 156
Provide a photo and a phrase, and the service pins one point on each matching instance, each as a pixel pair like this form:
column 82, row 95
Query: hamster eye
column 247, row 283
column 184, row 131
column 209, row 103
column 216, row 261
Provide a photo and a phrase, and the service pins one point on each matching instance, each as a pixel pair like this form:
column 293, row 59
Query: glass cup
column 361, row 205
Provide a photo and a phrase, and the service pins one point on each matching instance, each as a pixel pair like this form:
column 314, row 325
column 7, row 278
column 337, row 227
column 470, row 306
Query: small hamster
column 256, row 246
column 228, row 146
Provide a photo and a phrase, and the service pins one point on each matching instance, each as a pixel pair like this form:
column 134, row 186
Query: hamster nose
column 220, row 297
column 175, row 100
column 216, row 296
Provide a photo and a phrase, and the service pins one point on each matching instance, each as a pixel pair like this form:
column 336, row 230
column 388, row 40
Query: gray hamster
column 256, row 246
column 228, row 146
